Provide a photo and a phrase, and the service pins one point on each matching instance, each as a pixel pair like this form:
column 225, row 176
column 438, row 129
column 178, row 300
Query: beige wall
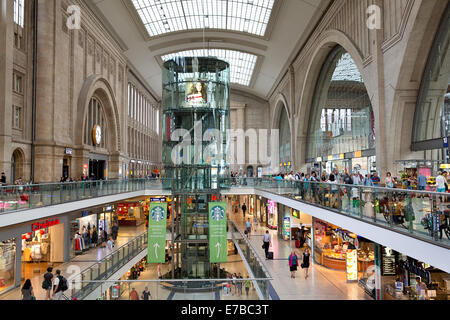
column 72, row 66
column 391, row 61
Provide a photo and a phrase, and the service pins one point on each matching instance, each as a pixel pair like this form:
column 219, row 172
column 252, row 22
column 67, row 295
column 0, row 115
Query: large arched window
column 95, row 117
column 432, row 116
column 341, row 117
column 285, row 137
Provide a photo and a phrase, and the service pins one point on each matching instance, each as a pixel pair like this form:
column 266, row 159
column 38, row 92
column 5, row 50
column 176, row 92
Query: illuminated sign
column 69, row 151
column 357, row 154
column 295, row 214
column 44, row 225
column 352, row 265
column 287, row 227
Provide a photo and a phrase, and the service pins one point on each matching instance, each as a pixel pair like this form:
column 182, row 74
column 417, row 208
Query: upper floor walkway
column 415, row 223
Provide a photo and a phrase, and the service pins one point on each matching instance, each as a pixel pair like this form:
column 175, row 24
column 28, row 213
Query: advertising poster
column 196, row 93
column 157, row 232
column 352, row 265
column 217, row 232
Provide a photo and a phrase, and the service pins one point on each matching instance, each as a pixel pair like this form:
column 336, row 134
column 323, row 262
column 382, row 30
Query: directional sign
column 157, row 232
column 218, row 232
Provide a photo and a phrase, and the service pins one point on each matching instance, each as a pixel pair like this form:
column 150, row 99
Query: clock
column 97, row 134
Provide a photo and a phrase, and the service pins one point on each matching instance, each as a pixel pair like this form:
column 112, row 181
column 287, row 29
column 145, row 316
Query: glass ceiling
column 164, row 16
column 241, row 63
column 346, row 70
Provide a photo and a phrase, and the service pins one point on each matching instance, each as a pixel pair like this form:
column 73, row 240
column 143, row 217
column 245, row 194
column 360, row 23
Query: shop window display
column 42, row 248
column 7, row 264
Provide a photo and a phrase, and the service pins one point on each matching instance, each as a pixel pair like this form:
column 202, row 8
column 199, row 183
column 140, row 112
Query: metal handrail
column 263, row 265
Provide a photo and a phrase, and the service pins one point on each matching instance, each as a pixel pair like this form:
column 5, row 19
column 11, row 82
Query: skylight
column 241, row 63
column 164, row 16
column 346, row 69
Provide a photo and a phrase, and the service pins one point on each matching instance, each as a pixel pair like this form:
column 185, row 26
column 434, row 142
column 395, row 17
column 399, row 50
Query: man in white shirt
column 57, row 294
column 267, row 241
column 440, row 182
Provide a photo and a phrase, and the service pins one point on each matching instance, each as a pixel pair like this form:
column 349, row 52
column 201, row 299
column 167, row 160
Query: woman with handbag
column 305, row 264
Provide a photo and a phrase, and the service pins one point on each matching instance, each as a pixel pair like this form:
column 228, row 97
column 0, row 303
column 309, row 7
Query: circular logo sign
column 97, row 134
column 157, row 214
column 217, row 213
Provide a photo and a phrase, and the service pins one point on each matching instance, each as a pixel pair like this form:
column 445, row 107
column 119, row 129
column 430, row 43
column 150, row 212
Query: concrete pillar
column 6, row 72
column 292, row 118
column 379, row 101
column 45, row 161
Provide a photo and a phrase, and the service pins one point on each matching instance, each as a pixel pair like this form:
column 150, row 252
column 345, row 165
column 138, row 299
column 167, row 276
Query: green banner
column 157, row 233
column 218, row 232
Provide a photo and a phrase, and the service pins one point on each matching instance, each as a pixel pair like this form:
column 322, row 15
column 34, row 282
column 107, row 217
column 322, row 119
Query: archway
column 341, row 122
column 100, row 135
column 17, row 165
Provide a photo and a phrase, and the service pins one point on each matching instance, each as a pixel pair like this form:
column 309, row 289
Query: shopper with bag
column 59, row 285
column 47, row 283
column 305, row 264
column 266, row 243
column 293, row 263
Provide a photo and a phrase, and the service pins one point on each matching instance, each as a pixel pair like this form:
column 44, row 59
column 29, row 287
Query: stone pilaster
column 6, row 72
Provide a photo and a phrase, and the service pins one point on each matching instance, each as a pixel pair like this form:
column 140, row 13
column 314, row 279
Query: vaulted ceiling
column 258, row 37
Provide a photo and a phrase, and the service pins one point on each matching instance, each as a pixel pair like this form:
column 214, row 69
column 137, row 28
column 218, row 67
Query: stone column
column 379, row 101
column 6, row 73
column 292, row 118
column 45, row 88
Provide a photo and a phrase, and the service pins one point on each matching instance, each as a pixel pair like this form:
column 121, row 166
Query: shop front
column 42, row 247
column 28, row 249
column 272, row 215
column 7, row 264
column 400, row 274
column 131, row 213
column 333, row 244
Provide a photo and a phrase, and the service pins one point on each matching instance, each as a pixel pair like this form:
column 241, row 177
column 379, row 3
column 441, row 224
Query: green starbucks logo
column 217, row 213
column 157, row 214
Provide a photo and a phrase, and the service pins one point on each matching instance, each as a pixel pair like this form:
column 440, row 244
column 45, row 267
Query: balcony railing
column 422, row 214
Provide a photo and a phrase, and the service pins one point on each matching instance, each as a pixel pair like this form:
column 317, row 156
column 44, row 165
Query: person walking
column 233, row 283
column 255, row 221
column 248, row 226
column 3, row 179
column 390, row 181
column 422, row 182
column 305, row 264
column 115, row 232
column 293, row 263
column 59, row 285
column 247, row 285
column 146, row 294
column 94, row 236
column 266, row 242
column 133, row 294
column 47, row 283
column 239, row 285
column 244, row 208
column 27, row 291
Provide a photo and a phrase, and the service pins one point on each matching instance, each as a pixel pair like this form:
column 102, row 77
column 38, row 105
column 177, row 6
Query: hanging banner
column 218, row 232
column 157, row 232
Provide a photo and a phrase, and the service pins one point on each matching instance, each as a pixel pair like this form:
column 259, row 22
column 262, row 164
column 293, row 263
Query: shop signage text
column 44, row 225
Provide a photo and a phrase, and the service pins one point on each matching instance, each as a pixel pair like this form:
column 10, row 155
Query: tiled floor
column 322, row 283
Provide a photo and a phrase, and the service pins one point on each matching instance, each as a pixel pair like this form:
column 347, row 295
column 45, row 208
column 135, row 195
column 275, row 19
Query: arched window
column 285, row 137
column 432, row 116
column 95, row 117
column 341, row 117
